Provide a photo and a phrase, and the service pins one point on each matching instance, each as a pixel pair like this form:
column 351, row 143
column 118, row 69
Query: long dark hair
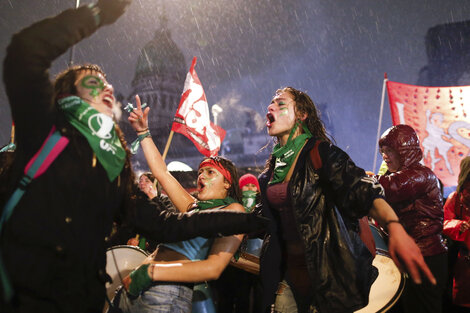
column 234, row 190
column 464, row 174
column 304, row 105
column 64, row 83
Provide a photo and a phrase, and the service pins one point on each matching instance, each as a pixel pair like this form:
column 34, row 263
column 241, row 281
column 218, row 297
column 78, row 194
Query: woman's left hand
column 138, row 117
column 138, row 280
column 464, row 227
column 150, row 192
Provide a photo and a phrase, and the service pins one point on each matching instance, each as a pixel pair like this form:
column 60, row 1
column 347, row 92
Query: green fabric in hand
column 140, row 280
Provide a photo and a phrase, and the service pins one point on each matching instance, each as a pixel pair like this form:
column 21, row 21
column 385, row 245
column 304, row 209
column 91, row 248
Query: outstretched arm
column 181, row 199
column 219, row 257
column 402, row 248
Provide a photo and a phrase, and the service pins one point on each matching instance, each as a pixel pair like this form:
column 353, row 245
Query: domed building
column 159, row 79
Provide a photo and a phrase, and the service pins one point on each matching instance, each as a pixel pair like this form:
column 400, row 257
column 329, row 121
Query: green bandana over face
column 99, row 131
column 209, row 204
column 285, row 155
column 249, row 200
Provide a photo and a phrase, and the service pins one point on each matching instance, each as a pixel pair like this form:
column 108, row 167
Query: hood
column 404, row 140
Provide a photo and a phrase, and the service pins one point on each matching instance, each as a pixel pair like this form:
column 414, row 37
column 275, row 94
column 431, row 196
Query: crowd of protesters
column 305, row 208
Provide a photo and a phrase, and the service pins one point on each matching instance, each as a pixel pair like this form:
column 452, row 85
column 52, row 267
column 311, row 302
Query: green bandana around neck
column 209, row 204
column 99, row 131
column 285, row 155
column 249, row 200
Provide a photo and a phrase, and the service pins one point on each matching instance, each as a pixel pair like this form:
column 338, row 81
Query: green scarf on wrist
column 140, row 280
column 99, row 131
column 285, row 155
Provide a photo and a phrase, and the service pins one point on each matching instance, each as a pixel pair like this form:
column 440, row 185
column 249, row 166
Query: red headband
column 218, row 167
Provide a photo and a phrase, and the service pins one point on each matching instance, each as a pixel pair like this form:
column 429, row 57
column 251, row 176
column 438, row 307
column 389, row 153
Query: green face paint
column 284, row 111
column 209, row 181
column 94, row 83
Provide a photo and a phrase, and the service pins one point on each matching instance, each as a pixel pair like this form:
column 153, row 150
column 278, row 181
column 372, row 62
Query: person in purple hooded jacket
column 413, row 191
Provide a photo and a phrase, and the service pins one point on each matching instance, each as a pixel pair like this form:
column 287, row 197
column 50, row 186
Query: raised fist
column 111, row 10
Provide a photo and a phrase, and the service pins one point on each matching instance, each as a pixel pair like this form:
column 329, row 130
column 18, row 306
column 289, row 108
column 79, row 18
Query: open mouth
column 108, row 100
column 270, row 119
column 200, row 186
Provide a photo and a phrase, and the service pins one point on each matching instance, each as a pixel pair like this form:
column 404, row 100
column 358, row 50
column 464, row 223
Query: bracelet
column 144, row 135
column 143, row 130
column 391, row 221
column 136, row 143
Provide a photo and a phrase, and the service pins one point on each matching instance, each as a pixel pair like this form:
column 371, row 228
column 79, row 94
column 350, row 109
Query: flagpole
column 167, row 147
column 77, row 4
column 380, row 122
column 12, row 134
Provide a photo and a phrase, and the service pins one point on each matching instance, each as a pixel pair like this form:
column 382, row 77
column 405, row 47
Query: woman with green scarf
column 312, row 258
column 53, row 241
column 164, row 283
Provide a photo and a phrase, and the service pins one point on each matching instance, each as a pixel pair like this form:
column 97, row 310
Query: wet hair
column 464, row 174
column 64, row 83
column 234, row 190
column 304, row 105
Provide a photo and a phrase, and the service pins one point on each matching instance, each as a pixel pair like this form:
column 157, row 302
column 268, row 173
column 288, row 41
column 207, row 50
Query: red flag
column 440, row 117
column 192, row 117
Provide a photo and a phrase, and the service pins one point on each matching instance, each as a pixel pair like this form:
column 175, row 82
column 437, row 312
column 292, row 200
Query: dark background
column 335, row 50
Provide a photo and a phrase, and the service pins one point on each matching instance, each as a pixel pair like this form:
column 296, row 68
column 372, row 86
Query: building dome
column 160, row 57
column 159, row 80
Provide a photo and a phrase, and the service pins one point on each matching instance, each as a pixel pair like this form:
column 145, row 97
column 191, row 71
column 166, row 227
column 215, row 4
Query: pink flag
column 440, row 117
column 192, row 117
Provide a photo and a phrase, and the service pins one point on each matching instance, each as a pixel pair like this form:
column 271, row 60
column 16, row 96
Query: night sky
column 337, row 51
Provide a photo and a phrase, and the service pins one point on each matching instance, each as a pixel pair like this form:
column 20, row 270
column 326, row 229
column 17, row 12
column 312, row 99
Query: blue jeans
column 160, row 298
column 286, row 303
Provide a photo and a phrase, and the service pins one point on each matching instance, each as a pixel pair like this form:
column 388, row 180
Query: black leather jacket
column 339, row 265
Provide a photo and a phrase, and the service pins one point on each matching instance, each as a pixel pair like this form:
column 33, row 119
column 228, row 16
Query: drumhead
column 388, row 286
column 120, row 261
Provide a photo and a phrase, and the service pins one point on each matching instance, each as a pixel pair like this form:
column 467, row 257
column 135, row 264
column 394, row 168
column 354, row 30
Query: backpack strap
column 315, row 156
column 39, row 163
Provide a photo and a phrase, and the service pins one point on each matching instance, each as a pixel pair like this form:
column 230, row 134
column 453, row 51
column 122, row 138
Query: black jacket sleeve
column 26, row 72
column 352, row 190
column 166, row 226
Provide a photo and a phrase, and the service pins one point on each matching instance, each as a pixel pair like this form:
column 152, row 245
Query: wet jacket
column 414, row 191
column 326, row 205
column 457, row 210
column 54, row 244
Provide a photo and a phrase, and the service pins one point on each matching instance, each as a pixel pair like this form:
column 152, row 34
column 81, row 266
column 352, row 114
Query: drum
column 389, row 285
column 202, row 299
column 253, row 246
column 249, row 259
column 120, row 261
